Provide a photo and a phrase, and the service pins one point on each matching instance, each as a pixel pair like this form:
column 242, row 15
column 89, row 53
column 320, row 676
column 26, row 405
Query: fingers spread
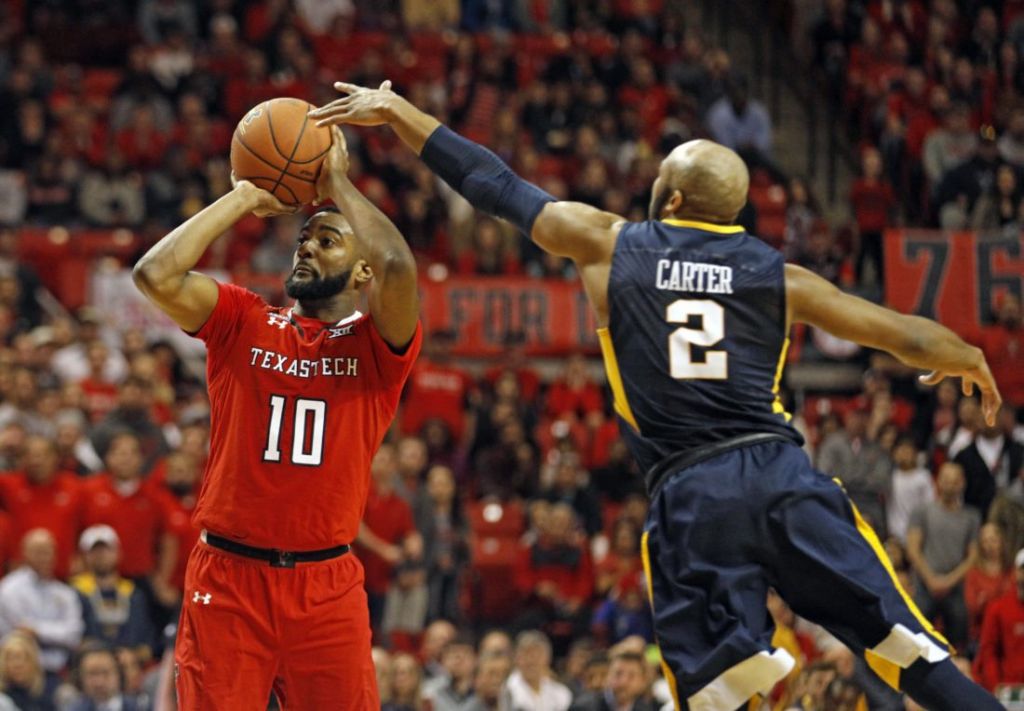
column 347, row 88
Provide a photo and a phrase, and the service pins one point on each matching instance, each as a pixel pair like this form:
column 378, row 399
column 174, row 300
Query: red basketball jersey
column 298, row 408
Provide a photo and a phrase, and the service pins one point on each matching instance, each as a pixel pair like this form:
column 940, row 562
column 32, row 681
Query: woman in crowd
column 989, row 578
column 21, row 675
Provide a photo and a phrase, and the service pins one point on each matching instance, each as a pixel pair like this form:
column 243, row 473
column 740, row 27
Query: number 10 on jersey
column 309, row 419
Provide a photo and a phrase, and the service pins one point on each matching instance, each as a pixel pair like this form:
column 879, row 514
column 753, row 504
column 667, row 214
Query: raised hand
column 264, row 203
column 335, row 165
column 978, row 375
column 361, row 106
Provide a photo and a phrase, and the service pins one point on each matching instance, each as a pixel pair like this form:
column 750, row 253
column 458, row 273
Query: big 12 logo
column 254, row 113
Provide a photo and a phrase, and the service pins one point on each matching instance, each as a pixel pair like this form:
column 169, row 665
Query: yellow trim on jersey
column 645, row 556
column 611, row 367
column 777, row 406
column 706, row 226
column 889, row 672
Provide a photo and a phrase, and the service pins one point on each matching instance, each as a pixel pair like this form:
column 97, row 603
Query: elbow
column 143, row 276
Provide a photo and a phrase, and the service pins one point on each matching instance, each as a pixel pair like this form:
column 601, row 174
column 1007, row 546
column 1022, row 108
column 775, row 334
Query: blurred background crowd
column 501, row 539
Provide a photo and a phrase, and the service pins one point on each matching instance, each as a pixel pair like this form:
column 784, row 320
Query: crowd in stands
column 502, row 537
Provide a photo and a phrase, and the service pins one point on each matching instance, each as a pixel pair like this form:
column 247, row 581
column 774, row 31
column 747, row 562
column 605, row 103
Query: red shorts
column 248, row 629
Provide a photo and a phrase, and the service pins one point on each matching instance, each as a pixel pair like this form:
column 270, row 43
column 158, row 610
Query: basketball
column 278, row 148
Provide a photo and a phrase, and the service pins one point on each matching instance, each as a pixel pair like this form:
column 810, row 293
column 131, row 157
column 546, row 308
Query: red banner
column 952, row 277
column 482, row 312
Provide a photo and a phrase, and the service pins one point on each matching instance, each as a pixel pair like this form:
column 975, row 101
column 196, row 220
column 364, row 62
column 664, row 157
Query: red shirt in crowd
column 176, row 521
column 436, row 391
column 99, row 397
column 8, row 546
column 55, row 506
column 1004, row 351
column 980, row 589
column 136, row 518
column 565, row 400
column 298, row 408
column 567, row 566
column 872, row 201
column 1001, row 652
column 388, row 517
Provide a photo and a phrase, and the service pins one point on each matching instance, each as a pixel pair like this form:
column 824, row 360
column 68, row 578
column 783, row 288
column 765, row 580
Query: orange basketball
column 277, row 147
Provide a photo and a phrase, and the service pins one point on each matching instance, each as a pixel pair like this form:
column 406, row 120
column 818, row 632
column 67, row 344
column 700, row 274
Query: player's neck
column 333, row 309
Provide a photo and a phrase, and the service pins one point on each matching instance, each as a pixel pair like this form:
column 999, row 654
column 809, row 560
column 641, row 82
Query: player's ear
column 361, row 273
column 674, row 203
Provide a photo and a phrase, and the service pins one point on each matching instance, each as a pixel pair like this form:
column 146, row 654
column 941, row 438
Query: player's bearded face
column 315, row 288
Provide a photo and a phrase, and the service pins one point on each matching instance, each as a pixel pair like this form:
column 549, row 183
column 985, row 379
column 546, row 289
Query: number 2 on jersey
column 310, row 455
column 680, row 341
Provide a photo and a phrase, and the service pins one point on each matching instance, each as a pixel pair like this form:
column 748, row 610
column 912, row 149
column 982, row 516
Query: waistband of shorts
column 661, row 472
column 275, row 557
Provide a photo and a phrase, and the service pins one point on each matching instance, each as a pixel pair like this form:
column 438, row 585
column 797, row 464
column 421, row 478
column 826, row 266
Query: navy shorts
column 720, row 532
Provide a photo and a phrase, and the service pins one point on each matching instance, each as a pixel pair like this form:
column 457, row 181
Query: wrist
column 247, row 195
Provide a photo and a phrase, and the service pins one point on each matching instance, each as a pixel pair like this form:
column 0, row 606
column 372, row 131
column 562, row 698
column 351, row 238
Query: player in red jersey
column 301, row 398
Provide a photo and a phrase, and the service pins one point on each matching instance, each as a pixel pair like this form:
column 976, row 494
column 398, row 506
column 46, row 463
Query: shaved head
column 700, row 180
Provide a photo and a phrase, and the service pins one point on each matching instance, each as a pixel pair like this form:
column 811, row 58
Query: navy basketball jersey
column 696, row 337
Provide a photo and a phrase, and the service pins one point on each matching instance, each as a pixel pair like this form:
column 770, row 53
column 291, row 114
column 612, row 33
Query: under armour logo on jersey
column 205, row 599
column 338, row 332
column 277, row 320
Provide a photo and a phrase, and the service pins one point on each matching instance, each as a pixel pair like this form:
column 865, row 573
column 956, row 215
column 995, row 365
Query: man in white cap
column 114, row 608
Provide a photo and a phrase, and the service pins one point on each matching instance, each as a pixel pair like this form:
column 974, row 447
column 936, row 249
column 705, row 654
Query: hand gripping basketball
column 335, row 165
column 266, row 204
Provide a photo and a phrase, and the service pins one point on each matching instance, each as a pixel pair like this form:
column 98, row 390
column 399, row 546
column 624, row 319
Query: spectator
column 873, row 203
column 99, row 392
column 912, row 486
column 1011, row 143
column 405, row 685
column 34, row 601
column 624, row 614
column 412, row 465
column 740, row 123
column 531, row 685
column 949, row 146
column 274, row 255
column 989, row 579
column 454, row 691
column 570, row 486
column 387, row 523
column 942, row 547
column 21, row 404
column 158, row 17
column 555, row 577
column 1003, row 343
column 437, row 389
column 436, row 637
column 998, row 206
column 114, row 608
column 969, row 423
column 496, row 642
column 42, row 496
column 993, row 462
column 118, row 499
column 492, row 670
column 622, row 560
column 133, row 415
column 973, row 177
column 802, row 213
column 112, row 196
column 575, row 396
column 22, row 681
column 1001, row 652
column 74, row 450
column 626, row 687
column 861, row 464
column 177, row 497
column 441, row 522
column 822, row 255
column 407, row 595
column 100, row 680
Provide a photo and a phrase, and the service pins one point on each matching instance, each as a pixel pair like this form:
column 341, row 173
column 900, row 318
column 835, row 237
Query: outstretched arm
column 570, row 229
column 918, row 342
column 394, row 296
column 164, row 274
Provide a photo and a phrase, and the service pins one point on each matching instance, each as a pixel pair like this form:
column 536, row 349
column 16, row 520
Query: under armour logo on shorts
column 196, row 597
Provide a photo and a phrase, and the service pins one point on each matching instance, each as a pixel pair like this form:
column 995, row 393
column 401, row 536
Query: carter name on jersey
column 674, row 275
column 303, row 367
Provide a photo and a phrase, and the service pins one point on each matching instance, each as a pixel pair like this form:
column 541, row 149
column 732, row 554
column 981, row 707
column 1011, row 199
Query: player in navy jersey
column 694, row 316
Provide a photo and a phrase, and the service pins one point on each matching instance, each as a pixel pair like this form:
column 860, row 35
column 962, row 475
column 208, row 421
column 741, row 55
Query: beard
column 657, row 203
column 317, row 288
